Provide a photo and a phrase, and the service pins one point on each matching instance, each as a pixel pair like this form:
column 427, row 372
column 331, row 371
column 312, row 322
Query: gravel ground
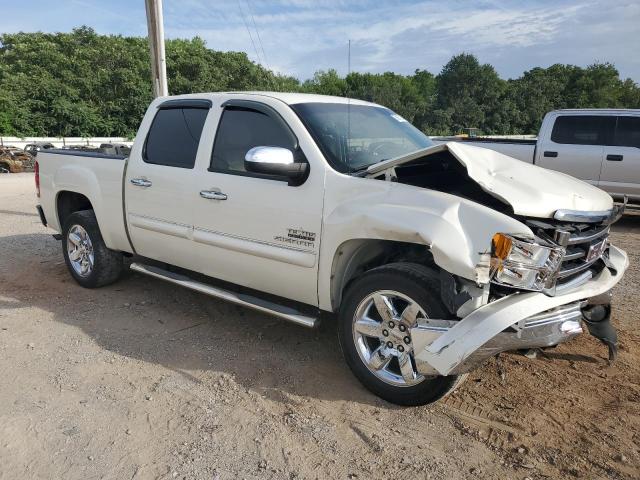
column 143, row 379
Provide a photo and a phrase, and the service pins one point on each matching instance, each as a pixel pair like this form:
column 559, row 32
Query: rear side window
column 580, row 130
column 627, row 132
column 239, row 131
column 174, row 137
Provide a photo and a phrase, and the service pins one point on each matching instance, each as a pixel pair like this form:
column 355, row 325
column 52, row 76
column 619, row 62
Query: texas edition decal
column 301, row 238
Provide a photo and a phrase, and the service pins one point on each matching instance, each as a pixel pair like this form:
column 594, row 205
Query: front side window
column 174, row 137
column 627, row 132
column 580, row 130
column 353, row 137
column 239, row 131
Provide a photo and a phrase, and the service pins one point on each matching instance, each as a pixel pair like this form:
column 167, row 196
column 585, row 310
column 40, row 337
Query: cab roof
column 288, row 98
column 592, row 111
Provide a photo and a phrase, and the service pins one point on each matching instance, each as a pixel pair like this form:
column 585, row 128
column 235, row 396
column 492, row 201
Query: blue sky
column 301, row 36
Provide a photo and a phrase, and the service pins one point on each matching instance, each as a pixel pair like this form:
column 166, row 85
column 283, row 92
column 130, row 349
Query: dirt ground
column 143, row 379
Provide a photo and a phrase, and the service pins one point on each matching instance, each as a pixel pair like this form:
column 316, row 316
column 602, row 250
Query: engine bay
column 441, row 171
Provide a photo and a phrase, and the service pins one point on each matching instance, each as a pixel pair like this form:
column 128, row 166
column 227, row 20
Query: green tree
column 470, row 95
column 84, row 84
column 629, row 94
column 326, row 83
column 81, row 83
column 394, row 91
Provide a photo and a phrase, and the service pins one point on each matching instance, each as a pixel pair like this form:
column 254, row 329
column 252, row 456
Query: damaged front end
column 536, row 281
column 517, row 319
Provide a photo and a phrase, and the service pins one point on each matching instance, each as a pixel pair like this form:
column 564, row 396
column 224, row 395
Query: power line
column 260, row 61
column 270, row 78
column 264, row 55
column 246, row 25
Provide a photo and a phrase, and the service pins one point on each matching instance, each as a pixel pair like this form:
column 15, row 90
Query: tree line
column 85, row 84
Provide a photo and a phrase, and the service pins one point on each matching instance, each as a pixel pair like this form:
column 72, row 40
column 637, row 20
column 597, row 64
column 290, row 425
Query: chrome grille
column 585, row 244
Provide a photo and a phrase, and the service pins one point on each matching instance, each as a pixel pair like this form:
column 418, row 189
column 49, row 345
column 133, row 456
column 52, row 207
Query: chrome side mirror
column 275, row 161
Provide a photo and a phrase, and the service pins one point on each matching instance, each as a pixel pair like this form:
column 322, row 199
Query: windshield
column 353, row 137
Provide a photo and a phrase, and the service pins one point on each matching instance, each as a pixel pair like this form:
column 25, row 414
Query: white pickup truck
column 599, row 146
column 432, row 257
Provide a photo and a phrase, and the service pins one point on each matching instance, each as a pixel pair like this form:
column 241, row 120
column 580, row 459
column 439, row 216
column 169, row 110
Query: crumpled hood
column 530, row 190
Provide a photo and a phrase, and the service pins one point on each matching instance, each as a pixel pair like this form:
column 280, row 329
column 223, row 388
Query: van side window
column 174, row 137
column 239, row 131
column 580, row 130
column 627, row 132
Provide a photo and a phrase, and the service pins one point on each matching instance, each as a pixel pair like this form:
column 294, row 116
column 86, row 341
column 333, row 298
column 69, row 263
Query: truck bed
column 82, row 153
column 97, row 176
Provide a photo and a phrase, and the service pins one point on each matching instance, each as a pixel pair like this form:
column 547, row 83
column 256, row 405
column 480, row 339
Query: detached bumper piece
column 519, row 321
column 597, row 318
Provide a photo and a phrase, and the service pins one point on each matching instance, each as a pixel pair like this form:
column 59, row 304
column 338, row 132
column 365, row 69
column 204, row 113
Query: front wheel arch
column 355, row 257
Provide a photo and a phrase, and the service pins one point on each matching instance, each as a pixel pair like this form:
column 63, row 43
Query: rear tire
column 88, row 259
column 400, row 285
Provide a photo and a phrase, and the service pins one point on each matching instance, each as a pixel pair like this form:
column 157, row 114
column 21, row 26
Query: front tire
column 377, row 312
column 88, row 259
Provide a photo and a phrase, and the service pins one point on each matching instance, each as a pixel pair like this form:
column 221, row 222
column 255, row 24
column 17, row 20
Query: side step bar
column 244, row 300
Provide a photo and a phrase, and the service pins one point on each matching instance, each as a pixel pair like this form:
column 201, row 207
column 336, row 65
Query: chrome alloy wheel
column 80, row 250
column 382, row 334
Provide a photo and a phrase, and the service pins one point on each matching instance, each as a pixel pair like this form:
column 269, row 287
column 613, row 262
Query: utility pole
column 155, row 28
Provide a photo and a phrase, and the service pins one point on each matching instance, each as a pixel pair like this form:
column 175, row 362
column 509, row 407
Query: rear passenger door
column 158, row 178
column 621, row 167
column 575, row 146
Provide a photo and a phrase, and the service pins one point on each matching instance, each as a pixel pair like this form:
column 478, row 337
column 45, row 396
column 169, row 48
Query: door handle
column 550, row 154
column 141, row 182
column 213, row 195
column 614, row 158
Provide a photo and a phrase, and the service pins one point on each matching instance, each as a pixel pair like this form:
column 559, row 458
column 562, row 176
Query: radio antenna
column 348, row 103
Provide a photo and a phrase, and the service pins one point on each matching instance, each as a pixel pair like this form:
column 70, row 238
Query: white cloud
column 302, row 36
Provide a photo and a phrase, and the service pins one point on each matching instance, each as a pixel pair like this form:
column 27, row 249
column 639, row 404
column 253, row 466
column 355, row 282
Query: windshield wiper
column 360, row 170
column 365, row 167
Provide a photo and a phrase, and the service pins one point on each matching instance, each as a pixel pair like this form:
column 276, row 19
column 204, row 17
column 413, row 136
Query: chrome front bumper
column 543, row 330
column 518, row 321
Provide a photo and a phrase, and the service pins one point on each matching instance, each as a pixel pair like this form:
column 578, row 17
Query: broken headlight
column 521, row 262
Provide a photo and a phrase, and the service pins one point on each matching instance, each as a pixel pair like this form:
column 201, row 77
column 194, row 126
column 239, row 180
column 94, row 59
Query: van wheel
column 88, row 259
column 376, row 316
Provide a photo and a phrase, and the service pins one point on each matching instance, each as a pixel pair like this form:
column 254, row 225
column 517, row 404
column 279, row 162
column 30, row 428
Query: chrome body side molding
column 160, row 226
column 258, row 248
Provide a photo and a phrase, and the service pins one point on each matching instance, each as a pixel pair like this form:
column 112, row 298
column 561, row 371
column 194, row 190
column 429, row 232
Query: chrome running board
column 242, row 299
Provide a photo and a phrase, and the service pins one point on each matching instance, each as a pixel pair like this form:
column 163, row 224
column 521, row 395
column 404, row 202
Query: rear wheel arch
column 357, row 256
column 68, row 202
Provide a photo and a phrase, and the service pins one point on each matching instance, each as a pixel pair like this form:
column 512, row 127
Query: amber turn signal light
column 501, row 246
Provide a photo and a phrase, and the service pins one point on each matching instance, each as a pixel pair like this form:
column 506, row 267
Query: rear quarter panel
column 97, row 178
